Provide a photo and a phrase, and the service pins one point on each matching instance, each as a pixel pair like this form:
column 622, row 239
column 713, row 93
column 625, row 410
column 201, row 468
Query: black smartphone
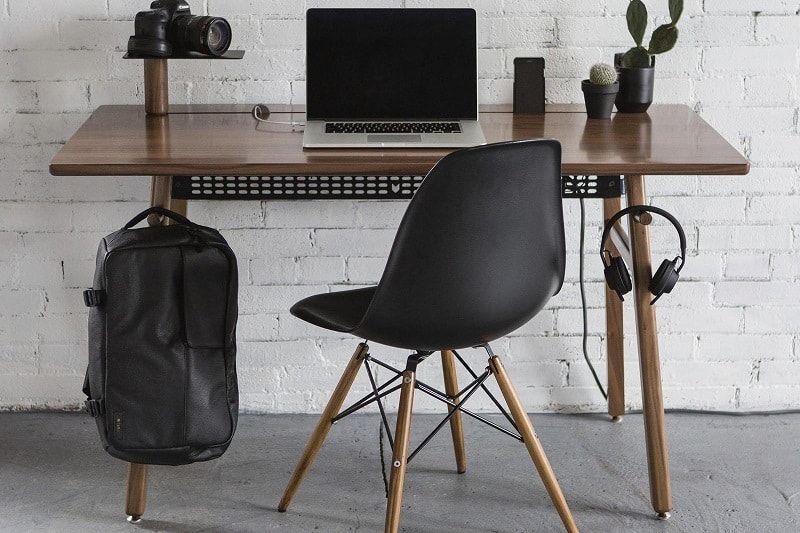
column 529, row 85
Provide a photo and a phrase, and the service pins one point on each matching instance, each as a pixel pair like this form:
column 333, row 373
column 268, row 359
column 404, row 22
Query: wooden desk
column 226, row 140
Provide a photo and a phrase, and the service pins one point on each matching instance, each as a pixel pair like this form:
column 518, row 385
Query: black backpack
column 161, row 381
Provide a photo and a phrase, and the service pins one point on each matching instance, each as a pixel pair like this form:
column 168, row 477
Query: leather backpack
column 161, row 381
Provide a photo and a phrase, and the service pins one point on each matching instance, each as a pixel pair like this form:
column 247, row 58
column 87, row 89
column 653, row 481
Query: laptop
column 385, row 78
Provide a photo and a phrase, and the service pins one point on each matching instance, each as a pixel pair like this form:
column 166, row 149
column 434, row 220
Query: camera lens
column 218, row 36
column 207, row 35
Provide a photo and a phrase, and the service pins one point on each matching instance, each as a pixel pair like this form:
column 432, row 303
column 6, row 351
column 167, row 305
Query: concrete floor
column 729, row 474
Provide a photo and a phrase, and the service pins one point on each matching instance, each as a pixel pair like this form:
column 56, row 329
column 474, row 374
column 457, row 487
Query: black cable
column 383, row 460
column 680, row 411
column 583, row 302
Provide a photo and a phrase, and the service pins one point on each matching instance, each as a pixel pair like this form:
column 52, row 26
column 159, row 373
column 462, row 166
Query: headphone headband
column 643, row 209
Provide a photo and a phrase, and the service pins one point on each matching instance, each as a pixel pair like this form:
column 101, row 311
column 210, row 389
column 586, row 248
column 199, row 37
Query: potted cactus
column 600, row 90
column 636, row 66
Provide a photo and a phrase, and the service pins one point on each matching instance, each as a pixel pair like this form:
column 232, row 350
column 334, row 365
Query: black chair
column 478, row 253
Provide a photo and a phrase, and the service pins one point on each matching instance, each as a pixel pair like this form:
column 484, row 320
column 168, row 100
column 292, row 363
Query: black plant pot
column 635, row 87
column 599, row 98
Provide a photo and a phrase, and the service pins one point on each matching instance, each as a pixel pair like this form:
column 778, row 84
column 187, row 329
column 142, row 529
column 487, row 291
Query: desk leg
column 615, row 351
column 179, row 206
column 136, row 497
column 649, row 362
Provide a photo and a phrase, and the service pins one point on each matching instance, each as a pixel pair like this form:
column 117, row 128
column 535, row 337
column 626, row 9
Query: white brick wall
column 729, row 332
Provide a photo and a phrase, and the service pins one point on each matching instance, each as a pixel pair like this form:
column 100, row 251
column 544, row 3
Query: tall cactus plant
column 663, row 39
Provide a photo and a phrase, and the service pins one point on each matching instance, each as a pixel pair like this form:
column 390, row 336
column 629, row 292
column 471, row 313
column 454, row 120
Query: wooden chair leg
column 397, row 477
column 324, row 425
column 532, row 443
column 456, row 428
column 136, row 498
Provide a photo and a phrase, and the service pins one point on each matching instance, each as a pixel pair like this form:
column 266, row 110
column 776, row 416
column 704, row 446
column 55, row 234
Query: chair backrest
column 479, row 251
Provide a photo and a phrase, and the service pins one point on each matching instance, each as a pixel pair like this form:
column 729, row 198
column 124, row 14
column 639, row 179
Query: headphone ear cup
column 664, row 279
column 617, row 276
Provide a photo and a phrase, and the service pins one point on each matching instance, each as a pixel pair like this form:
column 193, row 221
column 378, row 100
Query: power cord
column 261, row 113
column 583, row 301
column 383, row 460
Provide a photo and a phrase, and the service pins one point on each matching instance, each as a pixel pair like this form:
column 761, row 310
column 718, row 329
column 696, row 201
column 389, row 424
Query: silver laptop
column 383, row 78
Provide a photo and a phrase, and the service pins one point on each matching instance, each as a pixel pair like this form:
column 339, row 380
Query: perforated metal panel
column 592, row 186
column 293, row 187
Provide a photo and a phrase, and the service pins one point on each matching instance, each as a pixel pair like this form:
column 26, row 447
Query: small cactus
column 603, row 74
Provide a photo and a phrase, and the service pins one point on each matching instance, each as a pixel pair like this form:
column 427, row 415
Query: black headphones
column 616, row 273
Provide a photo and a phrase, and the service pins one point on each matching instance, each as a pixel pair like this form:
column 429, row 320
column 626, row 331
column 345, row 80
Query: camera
column 170, row 28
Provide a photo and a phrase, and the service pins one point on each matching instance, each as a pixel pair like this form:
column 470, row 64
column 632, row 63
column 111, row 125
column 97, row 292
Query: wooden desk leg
column 179, row 206
column 615, row 351
column 156, row 103
column 649, row 362
column 456, row 427
column 136, row 498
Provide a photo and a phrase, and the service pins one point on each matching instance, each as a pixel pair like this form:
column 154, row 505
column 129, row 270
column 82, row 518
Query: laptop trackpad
column 394, row 138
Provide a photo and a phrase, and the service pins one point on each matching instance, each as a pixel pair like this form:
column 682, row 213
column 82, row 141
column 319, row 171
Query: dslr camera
column 170, row 28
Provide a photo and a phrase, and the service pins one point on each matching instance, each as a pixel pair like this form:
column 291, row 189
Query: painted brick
column 715, row 30
column 747, row 266
column 780, row 372
column 703, row 398
column 785, row 267
column 770, row 90
column 94, row 34
column 366, row 242
column 365, row 269
column 774, row 293
column 28, row 12
column 273, row 299
column 714, row 347
column 51, row 65
column 748, row 59
column 17, row 360
column 759, row 181
column 762, row 210
column 43, row 392
column 777, row 29
column 62, row 359
column 771, row 320
column 768, row 398
column 738, row 237
column 260, row 8
column 788, row 7
column 700, row 319
column 723, row 89
column 514, row 30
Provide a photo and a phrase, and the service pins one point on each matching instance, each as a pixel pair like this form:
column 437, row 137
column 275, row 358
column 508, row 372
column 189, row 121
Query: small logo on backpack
column 118, row 424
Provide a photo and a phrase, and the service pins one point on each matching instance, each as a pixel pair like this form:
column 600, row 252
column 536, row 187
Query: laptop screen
column 391, row 64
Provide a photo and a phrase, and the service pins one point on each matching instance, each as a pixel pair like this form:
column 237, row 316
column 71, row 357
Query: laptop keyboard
column 392, row 127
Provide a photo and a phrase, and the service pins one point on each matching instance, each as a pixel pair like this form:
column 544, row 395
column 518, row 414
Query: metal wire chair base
column 455, row 401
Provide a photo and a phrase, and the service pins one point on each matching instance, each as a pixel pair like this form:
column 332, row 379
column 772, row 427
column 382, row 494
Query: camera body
column 170, row 28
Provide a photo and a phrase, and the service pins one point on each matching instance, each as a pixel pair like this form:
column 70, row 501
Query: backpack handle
column 161, row 211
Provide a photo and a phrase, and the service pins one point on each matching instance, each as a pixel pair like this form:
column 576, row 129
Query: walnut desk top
column 121, row 140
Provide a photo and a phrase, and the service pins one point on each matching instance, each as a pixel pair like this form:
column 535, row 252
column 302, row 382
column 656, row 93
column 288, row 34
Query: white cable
column 258, row 114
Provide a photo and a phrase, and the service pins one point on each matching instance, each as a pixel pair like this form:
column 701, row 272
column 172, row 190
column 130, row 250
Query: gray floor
column 729, row 473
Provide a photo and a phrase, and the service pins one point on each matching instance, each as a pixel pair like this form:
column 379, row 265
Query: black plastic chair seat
column 337, row 311
column 479, row 252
